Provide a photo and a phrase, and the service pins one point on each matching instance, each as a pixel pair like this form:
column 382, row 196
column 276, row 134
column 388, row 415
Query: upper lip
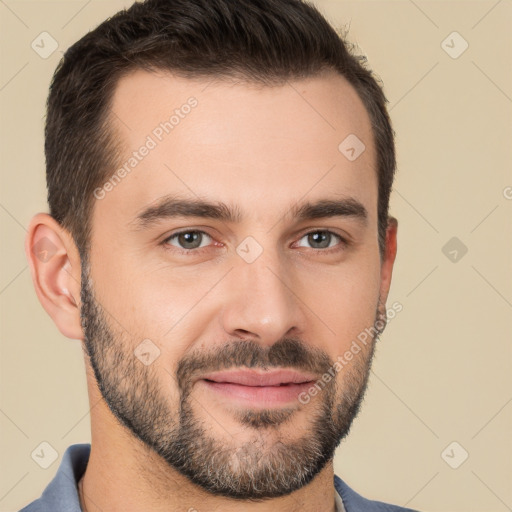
column 259, row 377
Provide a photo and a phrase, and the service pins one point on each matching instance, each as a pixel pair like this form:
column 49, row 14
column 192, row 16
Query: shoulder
column 354, row 502
column 61, row 493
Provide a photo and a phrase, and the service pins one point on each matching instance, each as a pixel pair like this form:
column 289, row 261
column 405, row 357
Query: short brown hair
column 262, row 41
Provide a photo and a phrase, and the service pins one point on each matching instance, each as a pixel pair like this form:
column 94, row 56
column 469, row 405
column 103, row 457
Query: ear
column 388, row 259
column 55, row 268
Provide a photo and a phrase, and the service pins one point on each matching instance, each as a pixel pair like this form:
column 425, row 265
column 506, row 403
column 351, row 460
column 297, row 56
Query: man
column 218, row 176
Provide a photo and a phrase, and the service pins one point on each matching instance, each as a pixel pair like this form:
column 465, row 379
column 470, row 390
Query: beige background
column 443, row 367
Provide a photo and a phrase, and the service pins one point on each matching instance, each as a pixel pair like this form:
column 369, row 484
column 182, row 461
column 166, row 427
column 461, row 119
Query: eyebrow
column 170, row 207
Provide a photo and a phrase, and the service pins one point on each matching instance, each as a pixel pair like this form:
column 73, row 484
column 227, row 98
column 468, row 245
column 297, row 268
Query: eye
column 188, row 240
column 322, row 239
column 194, row 240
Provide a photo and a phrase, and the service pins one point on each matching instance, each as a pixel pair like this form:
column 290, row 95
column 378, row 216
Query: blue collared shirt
column 61, row 494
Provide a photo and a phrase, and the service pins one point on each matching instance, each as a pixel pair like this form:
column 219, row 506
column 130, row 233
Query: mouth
column 257, row 388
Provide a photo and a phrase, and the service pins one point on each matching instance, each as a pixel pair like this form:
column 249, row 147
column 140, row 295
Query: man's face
column 207, row 332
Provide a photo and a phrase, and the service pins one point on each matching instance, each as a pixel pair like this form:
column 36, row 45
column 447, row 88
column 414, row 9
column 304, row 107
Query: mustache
column 288, row 353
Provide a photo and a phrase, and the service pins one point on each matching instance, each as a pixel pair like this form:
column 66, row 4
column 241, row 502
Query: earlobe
column 55, row 268
column 389, row 258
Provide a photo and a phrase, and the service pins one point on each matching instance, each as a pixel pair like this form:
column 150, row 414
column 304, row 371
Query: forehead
column 258, row 146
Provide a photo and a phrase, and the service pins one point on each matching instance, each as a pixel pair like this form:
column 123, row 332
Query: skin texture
column 262, row 150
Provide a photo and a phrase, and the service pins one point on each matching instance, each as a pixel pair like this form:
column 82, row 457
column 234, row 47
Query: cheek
column 138, row 296
column 159, row 303
column 345, row 301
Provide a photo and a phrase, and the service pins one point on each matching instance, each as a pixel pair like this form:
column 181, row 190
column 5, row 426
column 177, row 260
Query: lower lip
column 264, row 396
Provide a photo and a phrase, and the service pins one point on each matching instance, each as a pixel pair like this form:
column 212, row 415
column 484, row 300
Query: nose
column 263, row 302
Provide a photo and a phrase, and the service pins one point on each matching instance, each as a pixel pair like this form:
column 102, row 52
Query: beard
column 268, row 464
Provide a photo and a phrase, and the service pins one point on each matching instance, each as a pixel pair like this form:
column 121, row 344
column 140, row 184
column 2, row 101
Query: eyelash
column 343, row 243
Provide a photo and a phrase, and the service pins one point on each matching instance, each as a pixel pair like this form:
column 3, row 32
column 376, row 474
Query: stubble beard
column 268, row 464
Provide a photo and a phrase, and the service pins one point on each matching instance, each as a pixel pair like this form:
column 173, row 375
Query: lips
column 260, row 378
column 256, row 388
